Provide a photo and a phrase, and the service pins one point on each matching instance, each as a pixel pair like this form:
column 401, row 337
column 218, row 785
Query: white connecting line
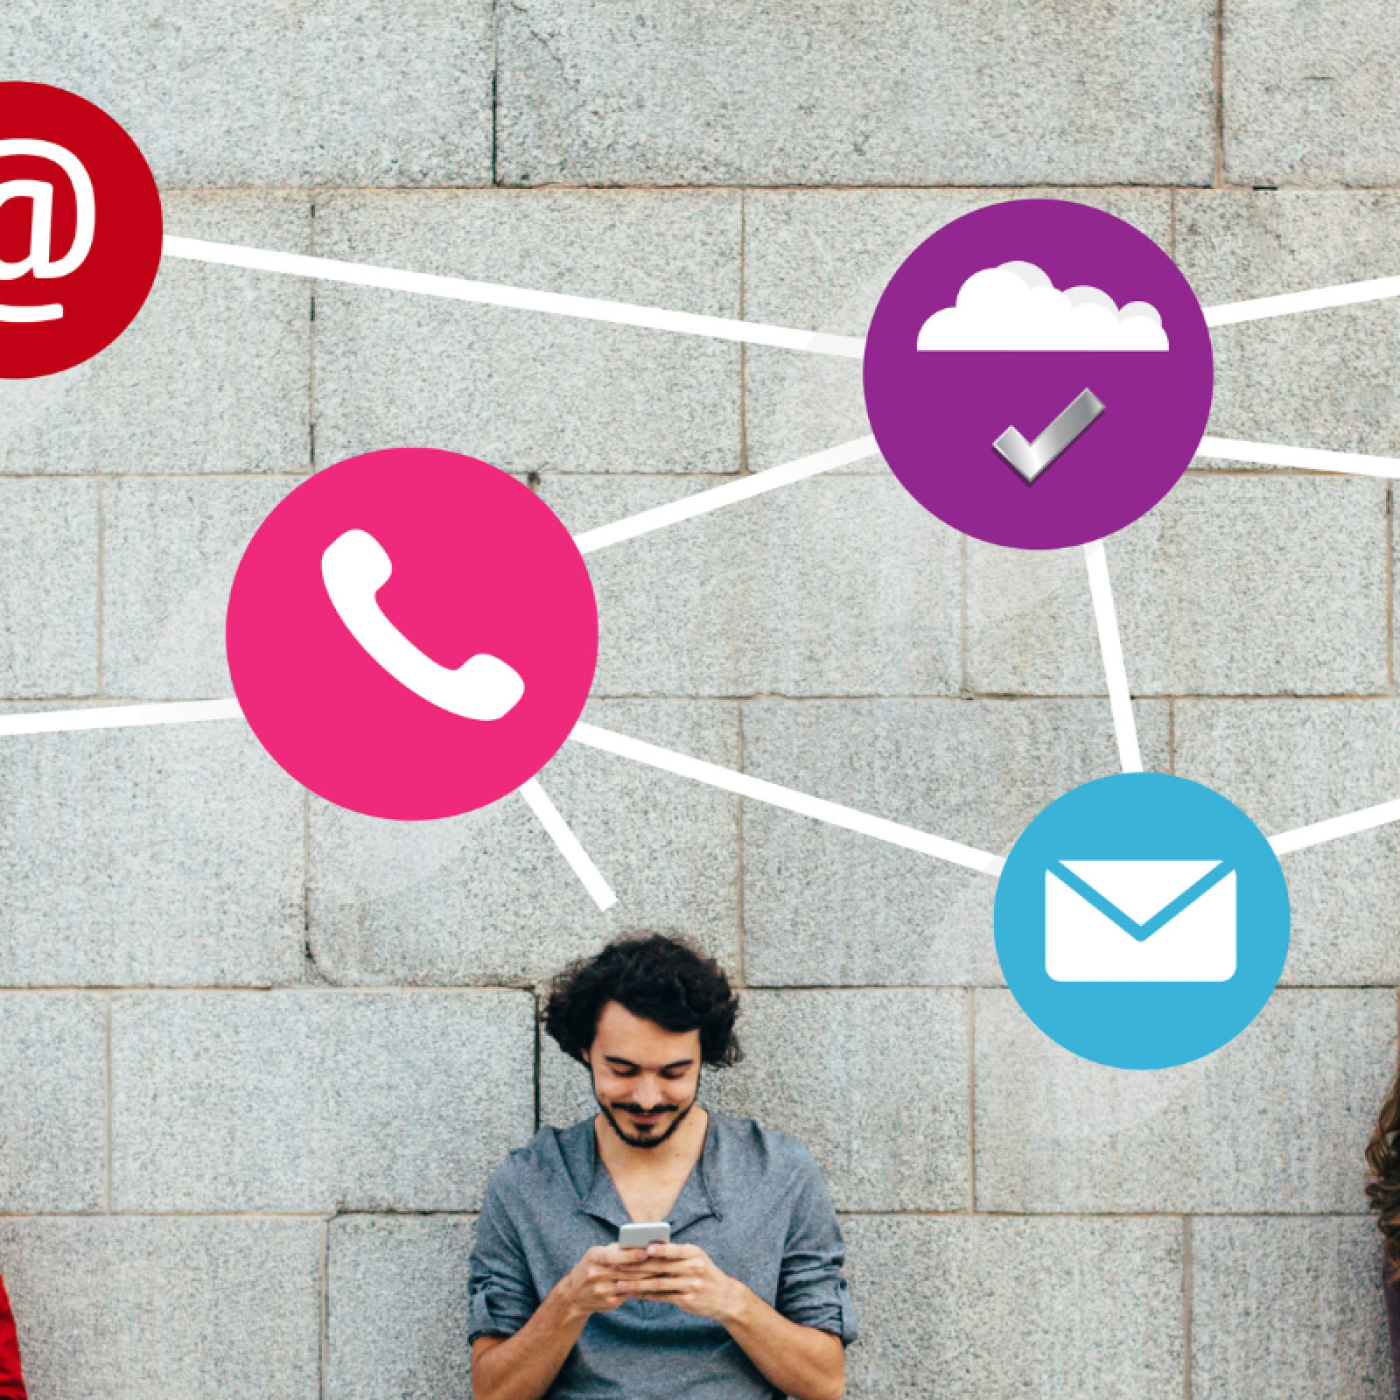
column 1119, row 701
column 187, row 711
column 618, row 313
column 1330, row 830
column 196, row 711
column 852, row 347
column 686, row 323
column 184, row 712
column 1312, row 459
column 760, row 790
column 569, row 845
column 673, row 512
column 847, row 346
column 1126, row 731
column 1290, row 304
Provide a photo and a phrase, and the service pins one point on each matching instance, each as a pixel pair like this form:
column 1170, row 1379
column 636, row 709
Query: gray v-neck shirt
column 755, row 1203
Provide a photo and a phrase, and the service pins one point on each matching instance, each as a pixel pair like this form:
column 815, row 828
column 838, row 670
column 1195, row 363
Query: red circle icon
column 80, row 230
column 412, row 634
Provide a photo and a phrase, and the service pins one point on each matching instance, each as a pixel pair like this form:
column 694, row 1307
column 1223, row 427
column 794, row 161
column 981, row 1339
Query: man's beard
column 631, row 1141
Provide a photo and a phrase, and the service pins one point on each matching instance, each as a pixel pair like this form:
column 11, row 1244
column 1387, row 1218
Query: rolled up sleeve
column 811, row 1288
column 502, row 1292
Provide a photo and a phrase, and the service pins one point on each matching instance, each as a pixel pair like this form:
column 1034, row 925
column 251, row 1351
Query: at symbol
column 40, row 196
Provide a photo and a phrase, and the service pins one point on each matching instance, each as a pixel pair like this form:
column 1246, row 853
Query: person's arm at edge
column 523, row 1366
column 1391, row 1293
column 803, row 1362
column 11, row 1377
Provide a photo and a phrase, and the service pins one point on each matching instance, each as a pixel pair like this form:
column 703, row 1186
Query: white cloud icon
column 1016, row 307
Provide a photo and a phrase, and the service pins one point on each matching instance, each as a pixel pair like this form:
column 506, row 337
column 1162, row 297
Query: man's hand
column 685, row 1275
column 592, row 1285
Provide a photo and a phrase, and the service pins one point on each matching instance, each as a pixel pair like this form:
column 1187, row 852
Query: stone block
column 1289, row 763
column 194, row 1309
column 214, row 374
column 1324, row 379
column 169, row 855
column 874, row 1082
column 524, row 390
column 1233, row 585
column 783, row 94
column 53, row 1065
column 349, row 92
column 833, row 586
column 825, row 906
column 819, row 260
column 965, row 1308
column 1030, row 620
column 1309, row 93
column 1288, row 1309
column 397, row 1307
column 487, row 898
column 1275, row 1121
column 171, row 549
column 566, row 1092
column 48, row 588
column 316, row 1100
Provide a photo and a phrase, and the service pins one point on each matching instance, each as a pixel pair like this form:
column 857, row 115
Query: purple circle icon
column 1038, row 374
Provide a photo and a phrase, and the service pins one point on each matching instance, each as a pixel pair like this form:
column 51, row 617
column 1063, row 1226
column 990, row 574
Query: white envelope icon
column 1139, row 921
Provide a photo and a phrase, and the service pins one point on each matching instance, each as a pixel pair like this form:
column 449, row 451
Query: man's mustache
column 637, row 1108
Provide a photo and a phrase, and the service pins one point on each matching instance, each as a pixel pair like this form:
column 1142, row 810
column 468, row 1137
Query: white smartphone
column 639, row 1233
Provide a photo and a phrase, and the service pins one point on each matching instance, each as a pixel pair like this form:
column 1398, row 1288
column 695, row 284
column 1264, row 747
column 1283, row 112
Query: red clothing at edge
column 11, row 1381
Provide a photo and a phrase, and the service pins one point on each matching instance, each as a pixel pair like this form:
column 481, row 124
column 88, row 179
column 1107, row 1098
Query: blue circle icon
column 1142, row 921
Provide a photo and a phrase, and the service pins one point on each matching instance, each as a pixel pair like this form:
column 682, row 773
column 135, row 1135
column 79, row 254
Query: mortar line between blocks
column 966, row 678
column 907, row 187
column 970, row 1013
column 697, row 478
column 1383, row 696
column 101, row 583
column 538, row 1040
column 311, row 350
column 1390, row 585
column 461, row 989
column 308, row 953
column 495, row 95
column 323, row 1270
column 739, row 859
column 327, row 1215
column 744, row 467
column 107, row 1116
column 1218, row 86
column 1187, row 1300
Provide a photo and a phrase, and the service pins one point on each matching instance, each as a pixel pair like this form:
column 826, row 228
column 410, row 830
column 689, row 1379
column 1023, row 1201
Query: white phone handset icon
column 355, row 567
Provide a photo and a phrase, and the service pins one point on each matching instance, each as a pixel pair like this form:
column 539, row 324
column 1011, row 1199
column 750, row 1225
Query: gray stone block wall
column 260, row 1055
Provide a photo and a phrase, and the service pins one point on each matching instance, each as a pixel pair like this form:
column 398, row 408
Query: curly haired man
column 747, row 1299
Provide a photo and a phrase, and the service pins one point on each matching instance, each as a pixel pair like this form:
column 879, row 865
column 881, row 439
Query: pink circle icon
column 412, row 634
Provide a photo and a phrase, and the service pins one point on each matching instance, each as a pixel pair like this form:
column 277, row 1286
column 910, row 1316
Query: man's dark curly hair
column 660, row 977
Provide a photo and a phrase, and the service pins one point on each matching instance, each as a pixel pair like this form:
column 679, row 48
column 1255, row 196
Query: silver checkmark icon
column 1029, row 459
